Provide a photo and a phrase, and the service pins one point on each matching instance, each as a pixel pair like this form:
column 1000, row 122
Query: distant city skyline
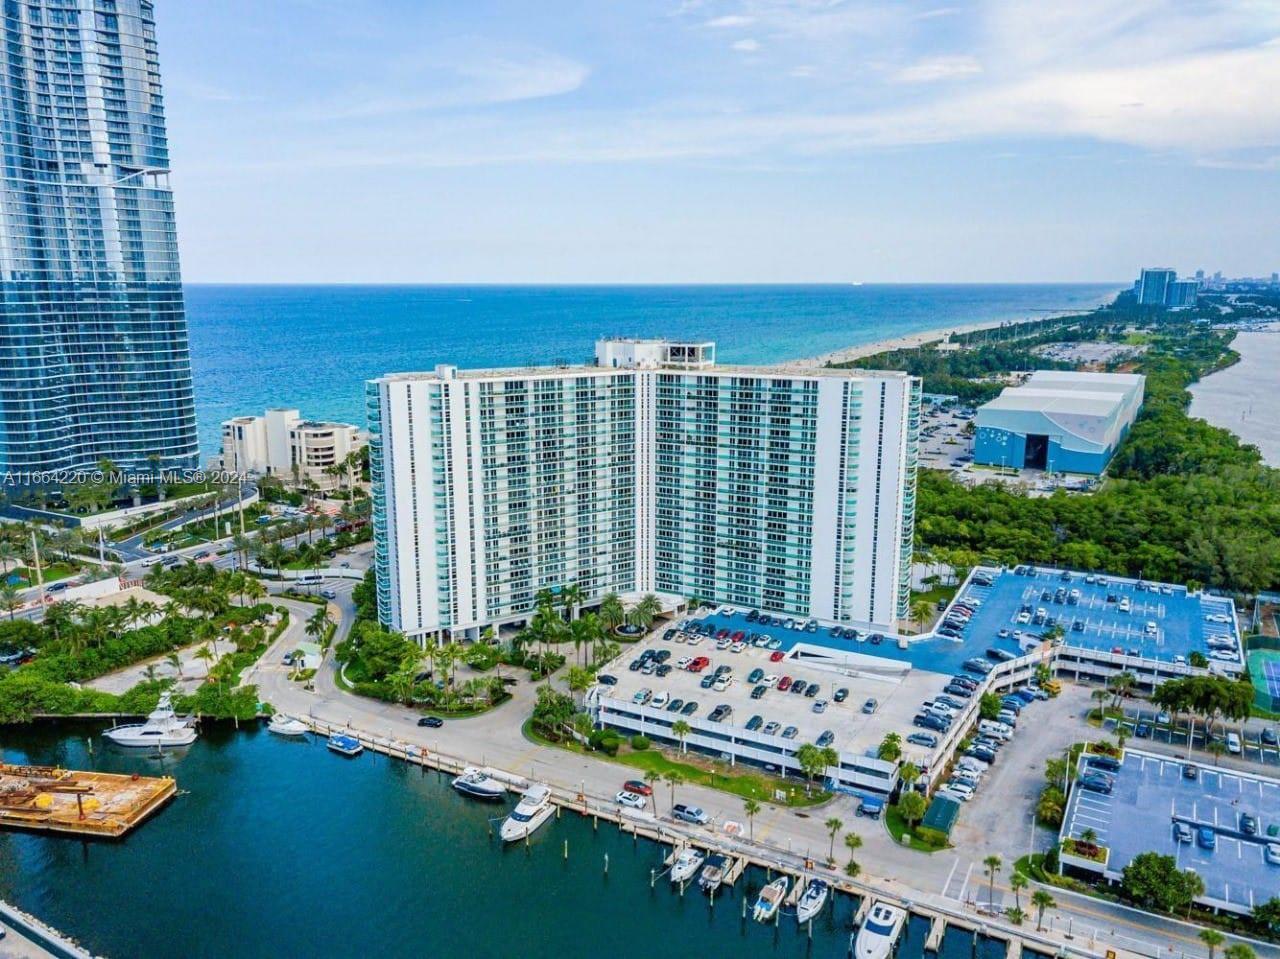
column 722, row 140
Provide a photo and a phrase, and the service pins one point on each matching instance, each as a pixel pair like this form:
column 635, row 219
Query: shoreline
column 910, row 341
column 1227, row 397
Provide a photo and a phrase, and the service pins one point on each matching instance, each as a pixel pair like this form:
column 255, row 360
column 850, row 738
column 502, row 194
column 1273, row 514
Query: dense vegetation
column 1187, row 502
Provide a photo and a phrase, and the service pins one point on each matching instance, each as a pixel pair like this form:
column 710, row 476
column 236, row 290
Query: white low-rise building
column 280, row 443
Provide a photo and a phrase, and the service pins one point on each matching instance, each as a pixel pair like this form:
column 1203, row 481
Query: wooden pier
column 105, row 805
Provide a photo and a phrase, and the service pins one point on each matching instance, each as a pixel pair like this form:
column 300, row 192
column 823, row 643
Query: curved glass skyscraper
column 94, row 359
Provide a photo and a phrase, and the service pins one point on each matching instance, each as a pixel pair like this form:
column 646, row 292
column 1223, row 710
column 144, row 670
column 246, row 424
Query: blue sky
column 722, row 140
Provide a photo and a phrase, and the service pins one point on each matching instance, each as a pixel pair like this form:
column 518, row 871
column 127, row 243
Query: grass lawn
column 897, row 827
column 935, row 593
column 738, row 780
column 52, row 573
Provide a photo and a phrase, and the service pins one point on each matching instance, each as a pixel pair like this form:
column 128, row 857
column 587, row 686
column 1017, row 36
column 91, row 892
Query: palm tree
column 579, row 681
column 318, row 623
column 1238, row 950
column 909, row 774
column 834, row 825
column 652, row 777
column 1017, row 882
column 646, row 611
column 1042, row 901
column 673, row 779
column 612, row 614
column 205, row 655
column 991, row 867
column 751, row 808
column 1213, row 939
column 9, row 599
column 852, row 842
column 174, row 660
column 571, row 598
column 680, row 729
column 920, row 611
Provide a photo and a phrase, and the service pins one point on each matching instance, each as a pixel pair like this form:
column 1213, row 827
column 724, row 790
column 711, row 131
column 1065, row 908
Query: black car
column 981, row 752
column 662, row 655
column 826, row 738
column 689, row 708
column 604, row 679
column 798, row 686
column 754, row 723
column 1096, row 784
column 668, row 634
column 635, row 665
column 663, row 670
column 926, row 721
column 957, row 690
column 1108, row 763
column 812, row 690
column 433, row 722
column 675, row 705
column 841, row 694
column 1188, row 772
column 759, row 691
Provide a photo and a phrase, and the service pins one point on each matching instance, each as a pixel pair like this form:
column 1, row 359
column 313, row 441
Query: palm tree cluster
column 558, row 618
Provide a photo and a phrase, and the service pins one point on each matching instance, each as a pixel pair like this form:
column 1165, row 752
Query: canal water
column 279, row 848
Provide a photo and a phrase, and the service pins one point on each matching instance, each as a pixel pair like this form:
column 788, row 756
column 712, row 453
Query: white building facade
column 655, row 470
column 280, row 443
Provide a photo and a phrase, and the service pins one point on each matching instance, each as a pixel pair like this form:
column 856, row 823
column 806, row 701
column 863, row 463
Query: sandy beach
column 900, row 343
column 1241, row 398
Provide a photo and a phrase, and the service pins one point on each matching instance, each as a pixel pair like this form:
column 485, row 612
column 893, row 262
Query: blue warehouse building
column 1062, row 422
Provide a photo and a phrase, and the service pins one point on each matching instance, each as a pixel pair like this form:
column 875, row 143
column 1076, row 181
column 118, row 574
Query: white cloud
column 934, row 69
column 730, row 20
column 746, row 46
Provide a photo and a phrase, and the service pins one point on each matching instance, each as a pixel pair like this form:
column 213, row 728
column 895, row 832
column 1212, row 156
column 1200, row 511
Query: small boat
column 686, row 865
column 162, row 728
column 344, row 744
column 283, row 725
column 811, row 903
column 478, row 784
column 534, row 809
column 770, row 899
column 713, row 872
column 879, row 932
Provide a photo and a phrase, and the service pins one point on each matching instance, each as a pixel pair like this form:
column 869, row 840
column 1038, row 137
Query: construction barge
column 104, row 805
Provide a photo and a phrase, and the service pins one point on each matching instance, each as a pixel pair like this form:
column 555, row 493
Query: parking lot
column 1145, row 620
column 1151, row 794
column 1258, row 738
column 943, row 443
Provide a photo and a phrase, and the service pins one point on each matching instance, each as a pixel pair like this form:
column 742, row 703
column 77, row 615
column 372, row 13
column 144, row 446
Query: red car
column 637, row 787
column 699, row 664
column 737, row 637
column 722, row 634
column 777, row 656
column 784, row 684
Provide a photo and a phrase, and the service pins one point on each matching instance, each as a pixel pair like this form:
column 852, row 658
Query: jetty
column 51, row 799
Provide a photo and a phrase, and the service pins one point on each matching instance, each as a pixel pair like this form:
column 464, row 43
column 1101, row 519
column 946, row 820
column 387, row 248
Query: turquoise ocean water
column 314, row 346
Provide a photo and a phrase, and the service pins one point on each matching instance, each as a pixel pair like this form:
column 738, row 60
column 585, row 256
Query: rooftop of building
column 1069, row 392
column 789, row 370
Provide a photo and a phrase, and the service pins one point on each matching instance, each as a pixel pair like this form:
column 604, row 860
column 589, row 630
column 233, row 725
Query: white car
column 723, row 644
column 770, row 681
column 1273, row 853
column 1151, row 627
column 721, row 684
column 1024, row 619
column 630, row 800
column 660, row 700
column 695, row 639
column 683, row 661
column 737, row 647
column 961, row 788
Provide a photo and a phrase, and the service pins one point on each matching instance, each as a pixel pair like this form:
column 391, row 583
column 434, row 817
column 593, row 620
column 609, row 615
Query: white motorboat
column 162, row 729
column 534, row 809
column 283, row 725
column 713, row 872
column 344, row 744
column 811, row 903
column 686, row 865
column 478, row 784
column 770, row 899
column 879, row 932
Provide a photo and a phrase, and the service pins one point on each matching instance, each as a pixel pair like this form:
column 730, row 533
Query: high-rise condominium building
column 93, row 337
column 1153, row 285
column 654, row 470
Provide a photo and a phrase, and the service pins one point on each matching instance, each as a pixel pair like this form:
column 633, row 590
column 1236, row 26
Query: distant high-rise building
column 655, row 470
column 1153, row 285
column 94, row 360
column 1275, row 279
column 1181, row 294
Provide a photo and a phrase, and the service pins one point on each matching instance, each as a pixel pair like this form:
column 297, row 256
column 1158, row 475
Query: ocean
column 312, row 347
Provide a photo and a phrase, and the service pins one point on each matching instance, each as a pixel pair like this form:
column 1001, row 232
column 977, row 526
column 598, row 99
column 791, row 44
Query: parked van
column 990, row 727
column 1233, row 743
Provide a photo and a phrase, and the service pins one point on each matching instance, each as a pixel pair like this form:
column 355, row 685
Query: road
column 951, row 878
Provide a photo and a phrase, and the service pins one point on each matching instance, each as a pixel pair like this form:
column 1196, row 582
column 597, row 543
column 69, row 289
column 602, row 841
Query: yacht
column 811, row 903
column 478, row 784
column 713, row 872
column 283, row 725
column 161, row 729
column 534, row 809
column 344, row 744
column 770, row 899
column 879, row 932
column 686, row 865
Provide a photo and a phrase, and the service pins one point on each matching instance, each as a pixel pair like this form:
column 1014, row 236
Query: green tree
column 911, row 806
column 1238, row 950
column 752, row 808
column 1017, row 882
column 890, row 749
column 989, row 706
column 1042, row 901
column 579, row 681
column 852, row 842
column 673, row 779
column 833, row 824
column 1154, row 881
column 1212, row 939
column 680, row 729
column 653, row 777
column 612, row 614
column 991, row 867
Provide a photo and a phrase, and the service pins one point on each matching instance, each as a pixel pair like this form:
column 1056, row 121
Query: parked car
column 1206, row 838
column 826, row 738
column 869, row 706
column 923, row 739
column 790, row 732
column 841, row 694
column 1182, row 832
column 431, row 722
column 692, row 814
column 638, row 786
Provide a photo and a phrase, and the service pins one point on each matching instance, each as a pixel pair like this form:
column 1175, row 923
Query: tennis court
column 1264, row 669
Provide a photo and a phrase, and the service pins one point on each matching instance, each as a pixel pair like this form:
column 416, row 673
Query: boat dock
column 105, row 805
column 940, row 914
